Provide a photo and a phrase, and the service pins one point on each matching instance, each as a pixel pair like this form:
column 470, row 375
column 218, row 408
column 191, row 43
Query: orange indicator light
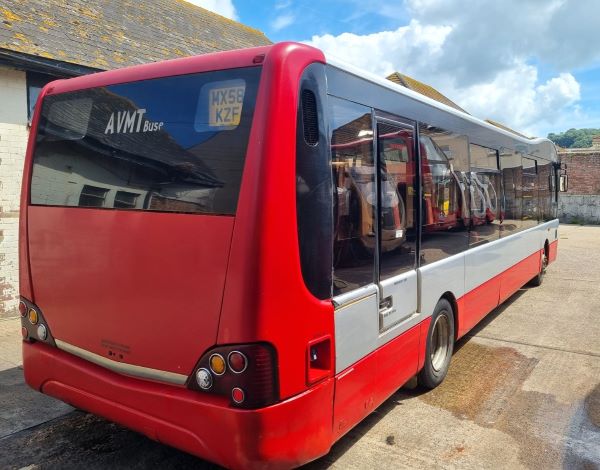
column 217, row 364
column 33, row 316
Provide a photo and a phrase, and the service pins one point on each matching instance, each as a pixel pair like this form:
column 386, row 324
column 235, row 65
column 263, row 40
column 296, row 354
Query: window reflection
column 486, row 195
column 530, row 193
column 355, row 200
column 398, row 194
column 445, row 219
column 512, row 180
column 151, row 144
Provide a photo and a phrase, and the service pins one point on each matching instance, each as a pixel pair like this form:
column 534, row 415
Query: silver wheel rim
column 440, row 342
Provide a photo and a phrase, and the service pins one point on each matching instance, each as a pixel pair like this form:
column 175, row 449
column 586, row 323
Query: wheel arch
column 449, row 296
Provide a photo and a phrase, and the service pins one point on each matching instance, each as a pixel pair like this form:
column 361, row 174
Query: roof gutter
column 43, row 65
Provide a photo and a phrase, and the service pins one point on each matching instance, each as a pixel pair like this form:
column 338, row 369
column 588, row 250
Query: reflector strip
column 121, row 367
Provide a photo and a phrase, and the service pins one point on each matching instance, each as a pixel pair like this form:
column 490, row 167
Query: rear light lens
column 33, row 316
column 33, row 325
column 248, row 378
column 204, row 379
column 217, row 364
column 237, row 362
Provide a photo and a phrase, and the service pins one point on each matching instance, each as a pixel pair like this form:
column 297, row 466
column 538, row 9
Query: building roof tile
column 108, row 34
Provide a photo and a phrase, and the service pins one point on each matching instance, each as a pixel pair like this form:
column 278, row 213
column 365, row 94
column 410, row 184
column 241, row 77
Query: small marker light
column 22, row 308
column 217, row 364
column 42, row 332
column 238, row 395
column 204, row 379
column 24, row 332
column 33, row 316
column 237, row 362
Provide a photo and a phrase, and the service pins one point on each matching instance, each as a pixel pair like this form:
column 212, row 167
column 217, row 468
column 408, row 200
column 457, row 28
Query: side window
column 355, row 198
column 530, row 193
column 398, row 196
column 512, row 181
column 546, row 190
column 444, row 168
column 485, row 195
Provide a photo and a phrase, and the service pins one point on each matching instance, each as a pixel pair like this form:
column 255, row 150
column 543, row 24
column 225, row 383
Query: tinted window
column 355, row 198
column 512, row 181
column 398, row 199
column 546, row 180
column 530, row 193
column 445, row 220
column 486, row 195
column 168, row 144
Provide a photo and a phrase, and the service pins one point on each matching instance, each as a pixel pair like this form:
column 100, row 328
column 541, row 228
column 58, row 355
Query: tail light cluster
column 33, row 324
column 246, row 374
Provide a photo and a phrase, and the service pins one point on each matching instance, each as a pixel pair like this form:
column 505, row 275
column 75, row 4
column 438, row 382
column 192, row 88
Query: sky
column 533, row 65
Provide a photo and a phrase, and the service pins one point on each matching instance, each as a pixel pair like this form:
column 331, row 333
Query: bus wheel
column 537, row 280
column 440, row 344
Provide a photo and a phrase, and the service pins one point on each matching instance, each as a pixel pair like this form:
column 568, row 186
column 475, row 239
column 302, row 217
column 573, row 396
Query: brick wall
column 583, row 169
column 13, row 140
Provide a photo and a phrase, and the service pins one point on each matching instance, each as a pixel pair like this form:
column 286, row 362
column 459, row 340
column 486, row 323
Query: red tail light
column 249, row 379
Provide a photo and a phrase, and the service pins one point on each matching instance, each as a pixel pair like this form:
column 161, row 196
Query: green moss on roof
column 106, row 34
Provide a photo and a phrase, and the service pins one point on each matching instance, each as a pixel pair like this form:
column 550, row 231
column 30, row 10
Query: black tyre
column 440, row 345
column 537, row 280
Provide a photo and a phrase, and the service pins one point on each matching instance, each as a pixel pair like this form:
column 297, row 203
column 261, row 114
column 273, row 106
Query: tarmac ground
column 523, row 391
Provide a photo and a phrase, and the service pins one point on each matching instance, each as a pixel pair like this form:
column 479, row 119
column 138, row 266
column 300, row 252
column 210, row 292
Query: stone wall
column 13, row 140
column 579, row 209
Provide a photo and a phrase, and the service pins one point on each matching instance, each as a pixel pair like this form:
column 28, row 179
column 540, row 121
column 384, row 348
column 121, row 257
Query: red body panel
column 486, row 297
column 368, row 383
column 280, row 436
column 155, row 288
column 264, row 275
column 515, row 277
column 552, row 251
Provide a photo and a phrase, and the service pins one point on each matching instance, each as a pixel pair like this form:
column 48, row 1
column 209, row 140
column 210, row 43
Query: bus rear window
column 174, row 144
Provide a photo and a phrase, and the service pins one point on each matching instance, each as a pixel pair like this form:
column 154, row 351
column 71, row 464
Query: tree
column 574, row 138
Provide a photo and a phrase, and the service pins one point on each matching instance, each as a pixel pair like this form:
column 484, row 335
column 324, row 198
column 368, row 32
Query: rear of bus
column 160, row 279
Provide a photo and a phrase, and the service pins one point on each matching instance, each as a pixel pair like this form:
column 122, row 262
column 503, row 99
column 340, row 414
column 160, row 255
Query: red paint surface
column 480, row 301
column 517, row 276
column 151, row 282
column 369, row 382
column 265, row 297
column 280, row 436
column 552, row 251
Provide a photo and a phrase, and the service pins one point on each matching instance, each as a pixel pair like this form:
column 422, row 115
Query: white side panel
column 447, row 275
column 487, row 261
column 356, row 331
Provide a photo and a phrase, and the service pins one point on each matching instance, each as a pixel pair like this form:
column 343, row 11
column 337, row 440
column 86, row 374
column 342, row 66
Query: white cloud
column 282, row 21
column 222, row 7
column 485, row 55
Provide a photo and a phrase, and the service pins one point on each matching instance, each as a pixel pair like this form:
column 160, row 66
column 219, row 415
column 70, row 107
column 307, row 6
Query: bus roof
column 376, row 79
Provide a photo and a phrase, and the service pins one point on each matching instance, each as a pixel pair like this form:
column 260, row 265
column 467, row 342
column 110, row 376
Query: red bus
column 243, row 254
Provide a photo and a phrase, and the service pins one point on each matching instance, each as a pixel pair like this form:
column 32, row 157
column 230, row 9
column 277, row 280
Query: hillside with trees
column 574, row 138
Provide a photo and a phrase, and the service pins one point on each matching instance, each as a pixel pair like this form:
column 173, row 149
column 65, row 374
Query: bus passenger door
column 397, row 223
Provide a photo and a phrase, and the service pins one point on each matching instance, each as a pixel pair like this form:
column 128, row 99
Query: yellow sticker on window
column 225, row 106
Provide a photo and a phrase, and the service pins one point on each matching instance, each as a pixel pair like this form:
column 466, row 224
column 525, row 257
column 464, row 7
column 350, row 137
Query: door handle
column 386, row 303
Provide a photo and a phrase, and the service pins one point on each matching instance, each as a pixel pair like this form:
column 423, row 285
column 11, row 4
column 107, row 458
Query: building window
column 92, row 196
column 126, row 200
column 35, row 83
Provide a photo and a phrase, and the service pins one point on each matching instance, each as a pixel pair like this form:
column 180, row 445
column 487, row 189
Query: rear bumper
column 284, row 435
